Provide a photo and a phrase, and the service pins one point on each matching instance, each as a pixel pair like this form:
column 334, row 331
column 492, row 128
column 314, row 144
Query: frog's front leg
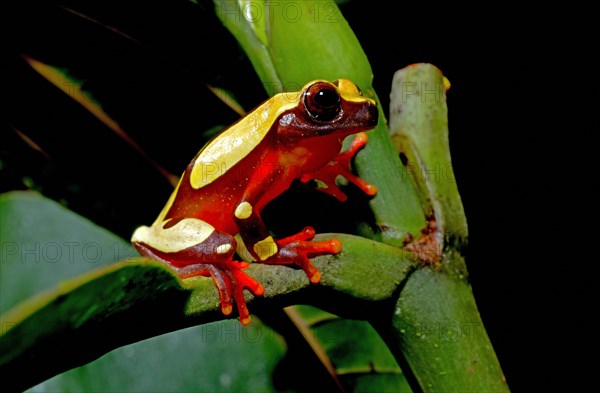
column 340, row 166
column 296, row 249
column 194, row 248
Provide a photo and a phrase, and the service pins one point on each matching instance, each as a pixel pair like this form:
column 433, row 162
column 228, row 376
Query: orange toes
column 246, row 320
column 315, row 277
column 259, row 290
column 335, row 246
column 226, row 309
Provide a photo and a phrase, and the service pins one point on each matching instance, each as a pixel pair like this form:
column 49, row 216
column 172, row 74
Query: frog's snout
column 372, row 115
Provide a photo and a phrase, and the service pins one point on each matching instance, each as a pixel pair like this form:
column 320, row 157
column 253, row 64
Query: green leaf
column 231, row 13
column 228, row 99
column 74, row 88
column 352, row 352
column 310, row 40
column 193, row 359
column 359, row 357
column 419, row 129
column 354, row 347
column 42, row 244
column 85, row 317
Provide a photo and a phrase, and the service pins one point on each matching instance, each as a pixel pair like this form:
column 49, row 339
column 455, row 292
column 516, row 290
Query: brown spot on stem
column 426, row 249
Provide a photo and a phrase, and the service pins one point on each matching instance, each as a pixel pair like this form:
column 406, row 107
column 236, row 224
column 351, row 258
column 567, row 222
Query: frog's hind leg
column 219, row 277
column 212, row 256
column 230, row 280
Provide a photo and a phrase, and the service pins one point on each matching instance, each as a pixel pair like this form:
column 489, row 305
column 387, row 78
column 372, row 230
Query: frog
column 213, row 216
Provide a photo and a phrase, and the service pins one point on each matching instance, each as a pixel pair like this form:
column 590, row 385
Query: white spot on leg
column 223, row 248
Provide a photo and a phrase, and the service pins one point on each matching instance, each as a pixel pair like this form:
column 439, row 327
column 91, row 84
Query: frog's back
column 236, row 143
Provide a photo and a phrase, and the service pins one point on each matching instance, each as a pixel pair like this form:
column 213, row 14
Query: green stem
column 437, row 329
column 89, row 316
column 419, row 130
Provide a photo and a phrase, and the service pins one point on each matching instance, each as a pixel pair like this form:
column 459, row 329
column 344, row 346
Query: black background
column 500, row 113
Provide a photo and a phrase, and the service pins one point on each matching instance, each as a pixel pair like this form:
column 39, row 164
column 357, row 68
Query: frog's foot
column 298, row 248
column 230, row 280
column 340, row 165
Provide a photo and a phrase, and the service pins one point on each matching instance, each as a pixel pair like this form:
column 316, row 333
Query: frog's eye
column 322, row 101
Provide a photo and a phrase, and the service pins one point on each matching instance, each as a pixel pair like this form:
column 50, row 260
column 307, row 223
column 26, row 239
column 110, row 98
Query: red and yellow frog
column 219, row 198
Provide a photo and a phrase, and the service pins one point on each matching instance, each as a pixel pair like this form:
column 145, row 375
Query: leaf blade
column 233, row 18
column 296, row 53
column 300, row 54
column 73, row 87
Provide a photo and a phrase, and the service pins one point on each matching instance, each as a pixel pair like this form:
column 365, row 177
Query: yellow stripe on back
column 235, row 143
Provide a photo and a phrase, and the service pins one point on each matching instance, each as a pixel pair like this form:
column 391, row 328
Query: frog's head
column 329, row 108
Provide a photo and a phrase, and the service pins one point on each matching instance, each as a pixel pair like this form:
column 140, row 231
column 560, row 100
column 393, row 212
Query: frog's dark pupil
column 326, row 98
column 322, row 102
